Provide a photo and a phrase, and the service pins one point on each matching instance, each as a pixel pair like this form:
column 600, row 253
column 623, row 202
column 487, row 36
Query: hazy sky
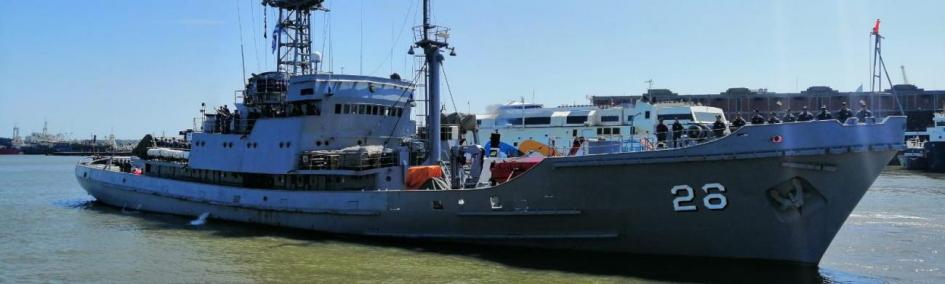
column 135, row 67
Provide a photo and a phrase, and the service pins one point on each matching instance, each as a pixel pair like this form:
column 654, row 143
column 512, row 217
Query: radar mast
column 292, row 36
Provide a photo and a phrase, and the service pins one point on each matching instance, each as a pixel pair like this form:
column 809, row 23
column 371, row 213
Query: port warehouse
column 918, row 104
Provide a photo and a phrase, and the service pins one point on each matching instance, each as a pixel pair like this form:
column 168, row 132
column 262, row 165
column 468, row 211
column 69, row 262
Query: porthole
column 249, row 145
column 255, row 145
column 288, row 144
column 387, row 178
column 265, row 198
column 318, row 143
column 281, row 144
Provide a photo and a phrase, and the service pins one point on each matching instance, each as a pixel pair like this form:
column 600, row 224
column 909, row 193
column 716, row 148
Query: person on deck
column 756, row 118
column 677, row 133
column 738, row 122
column 773, row 118
column 789, row 116
column 844, row 113
column 805, row 115
column 824, row 114
column 718, row 127
column 864, row 113
column 661, row 131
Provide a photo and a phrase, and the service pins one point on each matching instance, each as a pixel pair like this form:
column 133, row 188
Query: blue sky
column 136, row 67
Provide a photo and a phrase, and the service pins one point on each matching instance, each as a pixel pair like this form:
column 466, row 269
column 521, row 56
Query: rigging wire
column 255, row 34
column 416, row 76
column 361, row 50
column 448, row 90
column 239, row 19
column 394, row 44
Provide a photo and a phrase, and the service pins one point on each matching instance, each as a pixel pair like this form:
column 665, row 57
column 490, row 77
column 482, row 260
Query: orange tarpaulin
column 419, row 175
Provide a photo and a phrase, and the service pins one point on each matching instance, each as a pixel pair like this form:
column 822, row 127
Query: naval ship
column 339, row 153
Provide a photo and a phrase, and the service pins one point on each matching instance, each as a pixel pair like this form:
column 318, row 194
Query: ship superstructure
column 338, row 153
column 633, row 125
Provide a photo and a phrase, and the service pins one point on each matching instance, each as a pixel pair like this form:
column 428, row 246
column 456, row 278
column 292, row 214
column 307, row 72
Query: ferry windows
column 375, row 110
column 607, row 131
column 362, row 109
column 616, row 131
column 346, row 109
column 576, row 119
column 383, row 111
column 646, row 115
column 545, row 120
column 630, row 118
column 307, row 92
column 338, row 108
column 573, row 132
column 400, row 112
column 515, row 121
column 609, row 118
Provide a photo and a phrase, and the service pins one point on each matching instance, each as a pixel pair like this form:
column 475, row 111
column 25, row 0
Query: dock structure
column 919, row 104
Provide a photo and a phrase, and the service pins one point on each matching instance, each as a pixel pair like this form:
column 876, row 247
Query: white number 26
column 714, row 198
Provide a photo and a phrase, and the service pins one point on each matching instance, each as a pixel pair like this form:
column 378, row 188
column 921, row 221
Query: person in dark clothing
column 864, row 113
column 661, row 131
column 718, row 127
column 677, row 133
column 738, row 122
column 773, row 118
column 844, row 113
column 805, row 115
column 756, row 118
column 789, row 116
column 824, row 114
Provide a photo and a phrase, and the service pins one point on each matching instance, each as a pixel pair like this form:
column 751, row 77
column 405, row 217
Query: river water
column 51, row 230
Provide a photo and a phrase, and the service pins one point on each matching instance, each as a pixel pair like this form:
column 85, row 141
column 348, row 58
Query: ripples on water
column 54, row 232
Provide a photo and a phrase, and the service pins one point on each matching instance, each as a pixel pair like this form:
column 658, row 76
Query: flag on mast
column 876, row 27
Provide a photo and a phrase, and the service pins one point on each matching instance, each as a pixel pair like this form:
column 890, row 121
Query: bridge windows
column 609, row 118
column 369, row 109
column 576, row 119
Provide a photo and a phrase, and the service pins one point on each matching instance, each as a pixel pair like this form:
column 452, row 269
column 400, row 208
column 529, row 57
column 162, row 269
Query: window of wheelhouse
column 576, row 119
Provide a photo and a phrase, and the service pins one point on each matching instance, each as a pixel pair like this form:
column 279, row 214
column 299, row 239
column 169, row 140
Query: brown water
column 51, row 231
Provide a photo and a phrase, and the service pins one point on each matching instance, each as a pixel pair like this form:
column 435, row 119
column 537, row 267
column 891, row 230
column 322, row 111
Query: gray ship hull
column 781, row 202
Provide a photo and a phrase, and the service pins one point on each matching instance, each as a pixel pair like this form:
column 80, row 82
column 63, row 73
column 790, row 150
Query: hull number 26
column 714, row 198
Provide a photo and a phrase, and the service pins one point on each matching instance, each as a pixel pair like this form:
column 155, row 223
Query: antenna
column 905, row 80
column 879, row 68
column 649, row 84
column 239, row 19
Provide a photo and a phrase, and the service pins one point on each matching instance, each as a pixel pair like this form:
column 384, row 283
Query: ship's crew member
column 738, row 122
column 805, row 115
column 789, row 116
column 773, row 118
column 236, row 120
column 824, row 114
column 864, row 113
column 756, row 118
column 844, row 113
column 661, row 131
column 718, row 127
column 677, row 133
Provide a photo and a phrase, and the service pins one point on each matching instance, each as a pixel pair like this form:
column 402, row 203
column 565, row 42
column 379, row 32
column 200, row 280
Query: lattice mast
column 292, row 36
